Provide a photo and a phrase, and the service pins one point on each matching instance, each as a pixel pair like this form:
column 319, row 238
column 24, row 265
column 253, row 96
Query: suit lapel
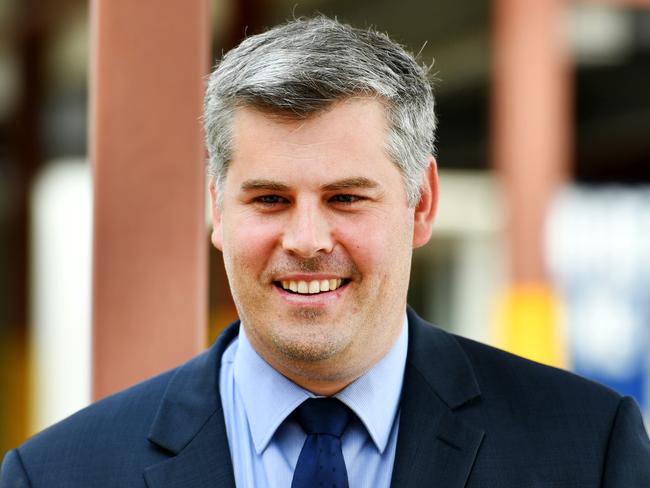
column 204, row 463
column 190, row 426
column 434, row 446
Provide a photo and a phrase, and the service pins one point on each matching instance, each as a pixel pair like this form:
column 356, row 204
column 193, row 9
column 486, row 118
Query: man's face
column 317, row 239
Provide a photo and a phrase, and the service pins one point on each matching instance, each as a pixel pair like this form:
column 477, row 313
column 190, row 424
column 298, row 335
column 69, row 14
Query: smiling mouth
column 303, row 287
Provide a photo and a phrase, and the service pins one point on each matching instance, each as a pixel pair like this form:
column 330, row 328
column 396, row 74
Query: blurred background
column 541, row 242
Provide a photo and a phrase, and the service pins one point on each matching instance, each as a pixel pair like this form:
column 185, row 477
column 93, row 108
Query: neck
column 329, row 376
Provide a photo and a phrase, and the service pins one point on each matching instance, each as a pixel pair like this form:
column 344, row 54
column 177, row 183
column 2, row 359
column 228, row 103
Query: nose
column 308, row 232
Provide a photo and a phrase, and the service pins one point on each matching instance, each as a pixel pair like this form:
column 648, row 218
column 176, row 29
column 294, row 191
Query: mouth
column 311, row 287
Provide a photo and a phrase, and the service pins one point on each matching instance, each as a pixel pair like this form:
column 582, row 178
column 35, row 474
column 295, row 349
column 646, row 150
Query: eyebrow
column 270, row 185
column 343, row 184
column 356, row 182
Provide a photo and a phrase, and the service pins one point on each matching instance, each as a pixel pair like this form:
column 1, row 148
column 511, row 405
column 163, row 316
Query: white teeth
column 311, row 287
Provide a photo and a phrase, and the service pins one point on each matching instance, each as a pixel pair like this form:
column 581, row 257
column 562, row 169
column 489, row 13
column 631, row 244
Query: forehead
column 349, row 134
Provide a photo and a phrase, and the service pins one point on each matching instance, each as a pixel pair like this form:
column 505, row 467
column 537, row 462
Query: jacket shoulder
column 501, row 373
column 112, row 441
column 104, row 444
column 560, row 415
column 571, row 427
column 123, row 415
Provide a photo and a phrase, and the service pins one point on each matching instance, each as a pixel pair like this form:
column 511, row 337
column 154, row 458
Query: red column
column 622, row 3
column 531, row 148
column 149, row 59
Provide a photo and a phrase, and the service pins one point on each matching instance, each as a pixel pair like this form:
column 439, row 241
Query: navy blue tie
column 321, row 460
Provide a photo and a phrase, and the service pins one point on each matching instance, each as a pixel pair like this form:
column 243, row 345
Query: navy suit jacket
column 471, row 416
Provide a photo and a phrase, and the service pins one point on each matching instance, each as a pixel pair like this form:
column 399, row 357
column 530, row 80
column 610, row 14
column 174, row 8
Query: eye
column 270, row 200
column 345, row 199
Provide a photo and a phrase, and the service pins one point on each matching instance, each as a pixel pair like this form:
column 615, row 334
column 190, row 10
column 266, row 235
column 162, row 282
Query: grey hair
column 301, row 67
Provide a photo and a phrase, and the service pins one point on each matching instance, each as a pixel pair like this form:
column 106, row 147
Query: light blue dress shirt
column 264, row 448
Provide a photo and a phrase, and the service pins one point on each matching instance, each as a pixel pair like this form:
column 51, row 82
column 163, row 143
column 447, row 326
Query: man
column 320, row 139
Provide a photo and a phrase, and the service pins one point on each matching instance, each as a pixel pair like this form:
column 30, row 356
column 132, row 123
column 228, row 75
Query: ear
column 425, row 210
column 216, row 236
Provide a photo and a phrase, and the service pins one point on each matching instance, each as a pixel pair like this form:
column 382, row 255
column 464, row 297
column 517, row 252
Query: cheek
column 371, row 246
column 381, row 247
column 248, row 242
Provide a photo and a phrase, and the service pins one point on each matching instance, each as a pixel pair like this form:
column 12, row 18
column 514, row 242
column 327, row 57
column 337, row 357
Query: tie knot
column 323, row 416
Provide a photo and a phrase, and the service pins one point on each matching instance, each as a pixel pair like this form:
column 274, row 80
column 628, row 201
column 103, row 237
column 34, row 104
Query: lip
column 308, row 277
column 312, row 300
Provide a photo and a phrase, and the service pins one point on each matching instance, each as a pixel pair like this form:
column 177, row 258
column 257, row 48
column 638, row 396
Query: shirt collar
column 374, row 397
column 269, row 397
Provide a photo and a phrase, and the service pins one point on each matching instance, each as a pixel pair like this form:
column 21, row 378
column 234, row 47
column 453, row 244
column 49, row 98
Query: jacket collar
column 190, row 424
column 434, row 445
column 439, row 359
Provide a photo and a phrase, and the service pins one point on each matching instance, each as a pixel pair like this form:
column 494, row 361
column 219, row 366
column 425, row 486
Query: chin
column 311, row 344
column 309, row 315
